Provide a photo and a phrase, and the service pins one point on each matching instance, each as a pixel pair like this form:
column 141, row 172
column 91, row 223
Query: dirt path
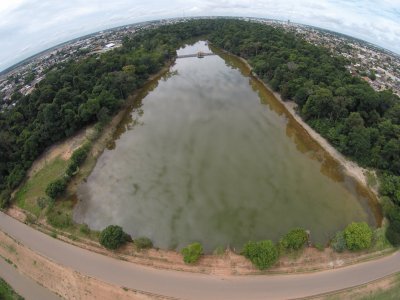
column 64, row 149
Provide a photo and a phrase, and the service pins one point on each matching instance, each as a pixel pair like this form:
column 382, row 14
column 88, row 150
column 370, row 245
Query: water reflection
column 208, row 154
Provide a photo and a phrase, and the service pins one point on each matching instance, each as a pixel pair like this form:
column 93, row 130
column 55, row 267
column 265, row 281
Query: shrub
column 84, row 228
column 294, row 239
column 42, row 202
column 72, row 169
column 358, row 236
column 80, row 154
column 262, row 254
column 392, row 212
column 220, row 250
column 191, row 253
column 112, row 237
column 58, row 218
column 338, row 243
column 30, row 219
column 5, row 198
column 319, row 247
column 143, row 243
column 56, row 188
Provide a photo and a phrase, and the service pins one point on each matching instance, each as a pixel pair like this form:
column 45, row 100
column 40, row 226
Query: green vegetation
column 358, row 236
column 56, row 188
column 7, row 292
column 143, row 243
column 294, row 239
column 113, row 237
column 361, row 123
column 34, row 189
column 263, row 254
column 338, row 243
column 191, row 253
column 319, row 247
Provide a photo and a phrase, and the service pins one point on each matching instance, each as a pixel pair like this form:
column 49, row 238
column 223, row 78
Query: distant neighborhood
column 379, row 67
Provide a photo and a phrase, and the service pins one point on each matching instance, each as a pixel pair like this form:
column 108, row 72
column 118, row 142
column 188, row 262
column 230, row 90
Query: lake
column 207, row 154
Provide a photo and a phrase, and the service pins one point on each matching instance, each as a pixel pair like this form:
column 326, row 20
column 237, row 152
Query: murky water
column 207, row 154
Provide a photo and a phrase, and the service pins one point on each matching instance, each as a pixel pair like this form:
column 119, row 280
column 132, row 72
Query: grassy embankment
column 384, row 289
column 7, row 292
column 31, row 196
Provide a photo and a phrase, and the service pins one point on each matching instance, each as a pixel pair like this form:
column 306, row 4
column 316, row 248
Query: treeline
column 359, row 122
column 71, row 96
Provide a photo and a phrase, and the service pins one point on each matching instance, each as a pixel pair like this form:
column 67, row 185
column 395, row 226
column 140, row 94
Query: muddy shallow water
column 208, row 154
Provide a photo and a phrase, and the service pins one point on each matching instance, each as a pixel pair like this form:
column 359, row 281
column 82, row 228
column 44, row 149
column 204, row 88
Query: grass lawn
column 393, row 293
column 385, row 289
column 35, row 187
column 7, row 293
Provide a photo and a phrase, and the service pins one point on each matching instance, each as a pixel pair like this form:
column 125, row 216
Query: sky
column 30, row 26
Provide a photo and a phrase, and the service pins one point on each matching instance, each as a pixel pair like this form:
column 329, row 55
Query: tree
column 191, row 253
column 143, row 243
column 263, row 254
column 294, row 239
column 113, row 237
column 56, row 188
column 358, row 236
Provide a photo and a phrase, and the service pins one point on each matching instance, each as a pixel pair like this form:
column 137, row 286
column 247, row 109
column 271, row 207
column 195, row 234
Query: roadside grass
column 380, row 241
column 60, row 217
column 7, row 292
column 393, row 293
column 390, row 290
column 34, row 188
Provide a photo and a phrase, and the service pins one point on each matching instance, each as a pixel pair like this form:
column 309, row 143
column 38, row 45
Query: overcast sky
column 30, row 26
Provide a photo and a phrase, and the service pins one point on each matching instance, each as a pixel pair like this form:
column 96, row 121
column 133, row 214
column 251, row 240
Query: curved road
column 197, row 286
column 24, row 286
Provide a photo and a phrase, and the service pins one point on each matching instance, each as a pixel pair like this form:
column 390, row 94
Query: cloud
column 30, row 26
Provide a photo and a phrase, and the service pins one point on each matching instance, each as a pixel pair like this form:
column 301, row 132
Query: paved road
column 198, row 286
column 24, row 286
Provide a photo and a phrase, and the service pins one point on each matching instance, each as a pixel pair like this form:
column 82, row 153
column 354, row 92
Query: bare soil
column 65, row 282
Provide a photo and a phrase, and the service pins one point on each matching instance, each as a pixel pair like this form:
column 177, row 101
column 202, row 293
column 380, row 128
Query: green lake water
column 208, row 154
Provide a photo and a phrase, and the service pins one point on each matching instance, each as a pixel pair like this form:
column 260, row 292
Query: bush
column 392, row 212
column 84, row 228
column 56, row 188
column 58, row 218
column 80, row 154
column 294, row 239
column 319, row 247
column 72, row 169
column 5, row 198
column 30, row 219
column 338, row 243
column 263, row 254
column 112, row 237
column 42, row 202
column 143, row 243
column 358, row 236
column 191, row 253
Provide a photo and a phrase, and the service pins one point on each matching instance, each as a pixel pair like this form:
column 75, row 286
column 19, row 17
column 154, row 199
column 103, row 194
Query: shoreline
column 228, row 263
column 350, row 167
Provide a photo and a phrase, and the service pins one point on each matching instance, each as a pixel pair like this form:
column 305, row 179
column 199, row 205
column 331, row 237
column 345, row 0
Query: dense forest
column 361, row 123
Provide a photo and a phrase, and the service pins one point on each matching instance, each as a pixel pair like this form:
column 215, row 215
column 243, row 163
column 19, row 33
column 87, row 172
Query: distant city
column 377, row 66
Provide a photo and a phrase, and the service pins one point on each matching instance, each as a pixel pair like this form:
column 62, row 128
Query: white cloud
column 29, row 26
